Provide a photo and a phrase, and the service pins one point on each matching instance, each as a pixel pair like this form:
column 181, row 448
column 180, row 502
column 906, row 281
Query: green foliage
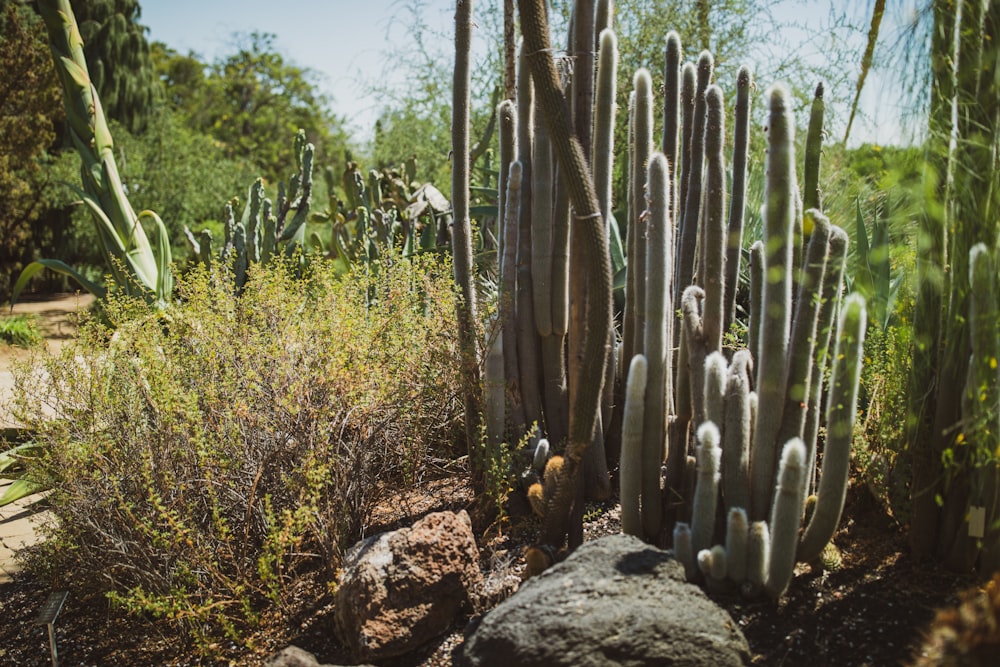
column 206, row 462
column 29, row 108
column 250, row 102
column 19, row 330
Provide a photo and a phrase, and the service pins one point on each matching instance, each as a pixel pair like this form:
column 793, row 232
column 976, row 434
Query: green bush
column 208, row 460
column 19, row 330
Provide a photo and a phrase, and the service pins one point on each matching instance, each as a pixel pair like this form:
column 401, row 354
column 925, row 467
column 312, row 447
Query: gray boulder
column 293, row 656
column 613, row 601
column 401, row 589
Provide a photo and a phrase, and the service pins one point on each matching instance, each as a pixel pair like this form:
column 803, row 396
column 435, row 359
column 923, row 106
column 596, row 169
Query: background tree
column 253, row 102
column 30, row 106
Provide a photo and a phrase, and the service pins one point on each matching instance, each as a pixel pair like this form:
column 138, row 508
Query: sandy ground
column 56, row 317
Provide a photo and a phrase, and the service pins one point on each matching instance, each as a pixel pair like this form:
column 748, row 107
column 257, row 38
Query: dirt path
column 56, row 317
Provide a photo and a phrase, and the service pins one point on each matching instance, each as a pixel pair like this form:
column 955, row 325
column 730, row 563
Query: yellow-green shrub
column 203, row 459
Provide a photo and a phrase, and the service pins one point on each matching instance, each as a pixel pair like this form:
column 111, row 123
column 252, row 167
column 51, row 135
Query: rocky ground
column 869, row 612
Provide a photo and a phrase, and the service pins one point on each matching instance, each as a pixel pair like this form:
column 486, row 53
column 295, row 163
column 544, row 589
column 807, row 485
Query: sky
column 342, row 42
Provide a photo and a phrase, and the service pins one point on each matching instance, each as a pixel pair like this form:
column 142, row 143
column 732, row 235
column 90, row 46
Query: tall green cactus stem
column 632, row 329
column 683, row 551
column 589, row 228
column 604, row 119
column 507, row 140
column 689, row 85
column 716, row 373
column 603, row 15
column 737, row 206
column 528, row 345
column 712, row 267
column 737, row 536
column 811, row 195
column 693, row 343
column 758, row 559
column 462, row 236
column 494, row 400
column 706, row 493
column 841, row 412
column 756, row 271
column 670, row 146
column 630, row 474
column 691, row 206
column 508, row 286
column 825, row 325
column 786, row 515
column 542, row 195
column 801, row 346
column 736, row 432
column 642, row 138
column 779, row 210
column 656, row 345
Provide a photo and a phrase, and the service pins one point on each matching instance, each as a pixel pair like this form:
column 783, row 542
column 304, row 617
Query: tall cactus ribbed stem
column 779, row 211
column 691, row 207
column 711, row 267
column 462, row 235
column 786, row 515
column 737, row 207
column 803, row 336
column 840, row 415
column 736, row 433
column 825, row 326
column 604, row 119
column 508, row 286
column 528, row 345
column 589, row 227
column 542, row 195
column 672, row 111
column 706, row 492
column 811, row 195
column 630, row 473
column 689, row 85
column 656, row 345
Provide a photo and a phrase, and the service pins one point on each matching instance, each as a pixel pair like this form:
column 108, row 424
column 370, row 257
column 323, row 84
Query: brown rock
column 400, row 589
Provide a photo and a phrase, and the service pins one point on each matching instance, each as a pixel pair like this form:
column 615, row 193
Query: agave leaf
column 164, row 277
column 19, row 489
column 59, row 267
column 11, row 458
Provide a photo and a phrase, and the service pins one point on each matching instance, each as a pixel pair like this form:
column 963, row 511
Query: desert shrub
column 208, row 461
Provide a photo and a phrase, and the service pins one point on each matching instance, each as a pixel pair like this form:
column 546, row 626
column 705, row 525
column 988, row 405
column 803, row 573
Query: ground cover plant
column 202, row 460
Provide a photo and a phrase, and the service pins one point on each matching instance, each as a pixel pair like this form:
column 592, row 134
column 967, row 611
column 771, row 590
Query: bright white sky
column 342, row 41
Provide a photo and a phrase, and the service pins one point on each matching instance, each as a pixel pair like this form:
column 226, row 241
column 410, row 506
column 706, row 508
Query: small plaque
column 977, row 521
column 53, row 605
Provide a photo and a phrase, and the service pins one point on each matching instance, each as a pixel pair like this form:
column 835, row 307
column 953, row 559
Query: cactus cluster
column 715, row 447
column 734, row 512
column 264, row 224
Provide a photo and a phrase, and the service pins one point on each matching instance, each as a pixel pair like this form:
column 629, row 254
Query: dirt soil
column 871, row 611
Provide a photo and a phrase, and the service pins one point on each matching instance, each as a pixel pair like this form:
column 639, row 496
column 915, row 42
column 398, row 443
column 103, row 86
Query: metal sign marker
column 47, row 616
